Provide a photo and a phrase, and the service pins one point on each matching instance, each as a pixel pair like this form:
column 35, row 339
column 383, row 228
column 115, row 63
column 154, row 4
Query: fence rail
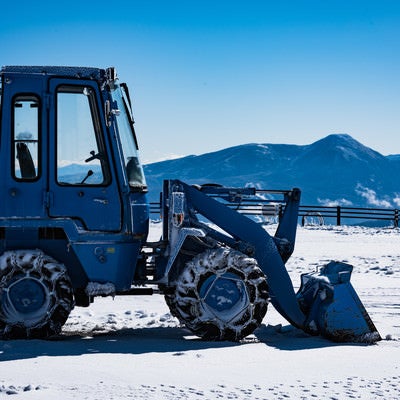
column 339, row 213
column 313, row 214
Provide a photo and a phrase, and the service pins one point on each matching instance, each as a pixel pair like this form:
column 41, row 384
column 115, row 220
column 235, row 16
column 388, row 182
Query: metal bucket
column 332, row 306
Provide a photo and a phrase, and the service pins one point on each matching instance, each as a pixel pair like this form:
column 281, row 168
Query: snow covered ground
column 131, row 347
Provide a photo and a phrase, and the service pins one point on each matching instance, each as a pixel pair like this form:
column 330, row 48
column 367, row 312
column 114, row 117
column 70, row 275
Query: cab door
column 82, row 180
column 23, row 146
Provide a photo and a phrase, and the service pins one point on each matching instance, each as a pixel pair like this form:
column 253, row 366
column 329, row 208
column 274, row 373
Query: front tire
column 221, row 295
column 36, row 295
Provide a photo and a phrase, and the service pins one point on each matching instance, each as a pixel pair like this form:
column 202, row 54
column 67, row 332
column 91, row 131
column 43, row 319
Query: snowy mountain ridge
column 335, row 170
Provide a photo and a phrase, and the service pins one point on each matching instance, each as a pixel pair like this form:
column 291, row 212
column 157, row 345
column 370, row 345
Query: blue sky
column 206, row 75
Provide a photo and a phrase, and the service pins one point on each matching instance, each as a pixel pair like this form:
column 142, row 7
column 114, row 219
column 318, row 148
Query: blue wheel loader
column 74, row 224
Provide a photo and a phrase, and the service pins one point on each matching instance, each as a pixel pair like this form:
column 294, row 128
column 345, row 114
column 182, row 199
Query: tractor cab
column 64, row 134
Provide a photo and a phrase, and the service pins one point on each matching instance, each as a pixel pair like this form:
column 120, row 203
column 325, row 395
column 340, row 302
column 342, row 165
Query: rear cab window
column 26, row 137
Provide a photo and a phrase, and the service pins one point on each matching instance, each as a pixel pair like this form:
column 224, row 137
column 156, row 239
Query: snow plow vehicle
column 74, row 224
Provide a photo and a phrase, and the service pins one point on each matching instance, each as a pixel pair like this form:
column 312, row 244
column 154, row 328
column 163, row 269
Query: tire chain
column 34, row 263
column 185, row 303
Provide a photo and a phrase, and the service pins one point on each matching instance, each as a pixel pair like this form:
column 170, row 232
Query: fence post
column 338, row 216
column 396, row 218
column 280, row 212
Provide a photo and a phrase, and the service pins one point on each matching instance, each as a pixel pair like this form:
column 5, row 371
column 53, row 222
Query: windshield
column 127, row 136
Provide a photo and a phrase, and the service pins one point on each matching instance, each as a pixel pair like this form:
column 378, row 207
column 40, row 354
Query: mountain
column 394, row 157
column 336, row 170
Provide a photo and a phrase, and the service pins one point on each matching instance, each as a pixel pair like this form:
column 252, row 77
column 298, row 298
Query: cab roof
column 74, row 72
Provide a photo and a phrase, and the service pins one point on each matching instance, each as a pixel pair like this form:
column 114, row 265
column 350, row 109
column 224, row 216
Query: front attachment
column 332, row 306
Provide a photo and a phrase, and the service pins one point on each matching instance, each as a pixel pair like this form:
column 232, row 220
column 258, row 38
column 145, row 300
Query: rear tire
column 36, row 295
column 221, row 295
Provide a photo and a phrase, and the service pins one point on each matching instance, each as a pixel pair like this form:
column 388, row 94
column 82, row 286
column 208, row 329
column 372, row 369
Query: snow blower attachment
column 74, row 222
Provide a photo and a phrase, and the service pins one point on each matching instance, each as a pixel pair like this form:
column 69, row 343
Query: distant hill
column 336, row 170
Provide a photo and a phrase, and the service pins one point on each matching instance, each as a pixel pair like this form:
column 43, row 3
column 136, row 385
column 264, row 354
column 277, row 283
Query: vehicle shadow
column 174, row 340
column 290, row 338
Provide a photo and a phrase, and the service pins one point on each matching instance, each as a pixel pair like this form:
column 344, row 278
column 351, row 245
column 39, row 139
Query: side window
column 26, row 137
column 81, row 159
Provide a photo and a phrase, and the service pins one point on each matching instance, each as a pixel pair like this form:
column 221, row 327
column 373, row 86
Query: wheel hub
column 25, row 300
column 225, row 296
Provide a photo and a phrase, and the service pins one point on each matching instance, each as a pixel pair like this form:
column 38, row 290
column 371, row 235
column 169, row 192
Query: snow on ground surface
column 131, row 347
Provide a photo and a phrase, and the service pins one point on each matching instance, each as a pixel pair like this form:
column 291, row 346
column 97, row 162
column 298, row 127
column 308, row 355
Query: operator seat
column 25, row 161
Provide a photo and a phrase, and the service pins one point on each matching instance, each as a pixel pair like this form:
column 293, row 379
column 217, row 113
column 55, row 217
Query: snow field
column 132, row 348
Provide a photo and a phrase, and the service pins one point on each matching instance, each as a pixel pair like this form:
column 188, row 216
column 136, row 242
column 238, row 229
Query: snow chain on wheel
column 36, row 295
column 221, row 294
